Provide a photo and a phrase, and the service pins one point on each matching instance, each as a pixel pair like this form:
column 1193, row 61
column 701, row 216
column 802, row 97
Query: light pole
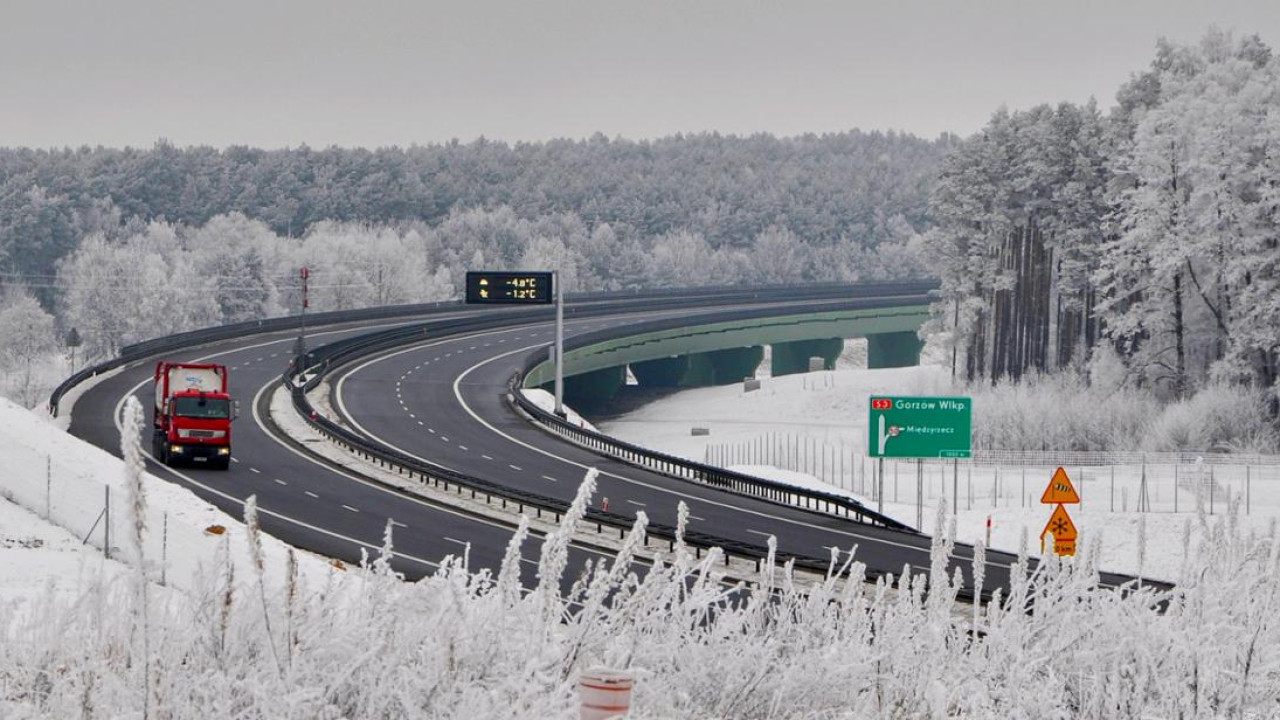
column 555, row 280
column 300, row 347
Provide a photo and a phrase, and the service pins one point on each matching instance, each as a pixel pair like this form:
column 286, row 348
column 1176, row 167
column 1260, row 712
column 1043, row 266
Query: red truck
column 193, row 414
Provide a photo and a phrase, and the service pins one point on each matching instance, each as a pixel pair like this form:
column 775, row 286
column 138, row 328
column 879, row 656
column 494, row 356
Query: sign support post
column 555, row 280
column 919, row 494
column 880, row 494
column 955, row 486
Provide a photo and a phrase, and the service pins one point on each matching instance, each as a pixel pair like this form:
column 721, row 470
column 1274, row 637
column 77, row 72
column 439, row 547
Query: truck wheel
column 222, row 463
column 157, row 445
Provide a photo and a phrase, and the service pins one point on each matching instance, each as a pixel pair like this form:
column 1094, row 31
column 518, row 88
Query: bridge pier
column 793, row 357
column 722, row 367
column 595, row 388
column 892, row 350
column 663, row 372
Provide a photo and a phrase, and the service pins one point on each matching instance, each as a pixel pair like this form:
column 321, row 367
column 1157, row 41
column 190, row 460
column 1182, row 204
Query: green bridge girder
column 675, row 343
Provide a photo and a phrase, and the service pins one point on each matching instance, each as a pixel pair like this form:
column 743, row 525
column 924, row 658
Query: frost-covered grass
column 260, row 634
column 259, row 641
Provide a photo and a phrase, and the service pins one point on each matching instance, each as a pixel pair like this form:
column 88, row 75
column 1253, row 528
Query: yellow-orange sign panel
column 1060, row 525
column 1060, row 490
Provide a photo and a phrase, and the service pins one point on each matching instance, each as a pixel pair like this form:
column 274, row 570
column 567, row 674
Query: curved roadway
column 443, row 400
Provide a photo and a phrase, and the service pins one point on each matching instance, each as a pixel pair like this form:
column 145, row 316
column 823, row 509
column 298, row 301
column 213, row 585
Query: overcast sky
column 276, row 73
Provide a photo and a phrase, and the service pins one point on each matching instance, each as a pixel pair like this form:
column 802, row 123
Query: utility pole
column 300, row 347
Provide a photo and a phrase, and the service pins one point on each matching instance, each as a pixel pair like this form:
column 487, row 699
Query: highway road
column 443, row 400
column 303, row 500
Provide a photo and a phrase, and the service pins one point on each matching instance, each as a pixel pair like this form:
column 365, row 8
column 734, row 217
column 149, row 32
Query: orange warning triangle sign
column 1060, row 490
column 1064, row 531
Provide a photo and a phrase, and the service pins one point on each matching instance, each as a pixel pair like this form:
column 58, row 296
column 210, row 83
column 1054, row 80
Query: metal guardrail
column 311, row 370
column 685, row 469
column 179, row 341
column 306, row 375
column 302, row 380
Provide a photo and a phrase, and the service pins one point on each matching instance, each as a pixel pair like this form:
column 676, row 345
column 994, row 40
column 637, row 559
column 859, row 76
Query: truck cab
column 193, row 415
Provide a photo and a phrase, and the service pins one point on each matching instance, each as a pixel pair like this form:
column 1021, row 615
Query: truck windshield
column 198, row 407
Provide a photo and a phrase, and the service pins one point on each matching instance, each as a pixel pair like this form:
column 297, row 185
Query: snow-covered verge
column 253, row 635
column 808, row 430
column 546, row 401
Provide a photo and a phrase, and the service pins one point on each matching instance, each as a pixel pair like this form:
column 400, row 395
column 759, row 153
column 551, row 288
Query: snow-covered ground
column 58, row 488
column 228, row 636
column 810, row 430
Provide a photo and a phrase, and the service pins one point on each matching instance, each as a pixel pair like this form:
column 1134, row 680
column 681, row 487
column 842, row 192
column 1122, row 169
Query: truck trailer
column 193, row 414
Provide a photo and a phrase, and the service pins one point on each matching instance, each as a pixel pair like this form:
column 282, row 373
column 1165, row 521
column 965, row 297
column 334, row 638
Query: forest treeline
column 1143, row 241
column 100, row 248
column 826, row 189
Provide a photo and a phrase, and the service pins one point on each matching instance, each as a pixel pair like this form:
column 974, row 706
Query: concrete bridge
column 725, row 352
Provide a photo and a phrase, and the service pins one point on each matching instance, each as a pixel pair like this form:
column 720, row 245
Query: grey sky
column 273, row 73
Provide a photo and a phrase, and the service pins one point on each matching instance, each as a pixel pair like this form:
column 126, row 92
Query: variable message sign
column 510, row 288
column 920, row 427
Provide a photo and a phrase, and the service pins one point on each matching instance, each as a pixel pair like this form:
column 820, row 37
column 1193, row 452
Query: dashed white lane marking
column 442, row 437
column 431, row 430
column 421, row 423
column 255, row 470
column 274, row 354
column 308, row 492
column 695, row 517
column 279, row 481
column 633, row 502
column 456, row 541
column 548, row 477
column 486, row 457
column 517, row 468
column 757, row 532
column 462, row 447
column 234, row 460
column 398, row 524
column 348, row 507
column 412, row 416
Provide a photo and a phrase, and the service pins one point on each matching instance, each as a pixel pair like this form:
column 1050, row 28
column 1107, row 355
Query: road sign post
column 1060, row 493
column 559, row 346
column 920, row 427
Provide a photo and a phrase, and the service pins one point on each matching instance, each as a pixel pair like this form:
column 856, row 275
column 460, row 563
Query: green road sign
column 920, row 427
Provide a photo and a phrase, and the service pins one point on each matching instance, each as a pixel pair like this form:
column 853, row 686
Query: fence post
column 48, row 487
column 1248, row 485
column 1175, row 485
column 164, row 549
column 106, row 529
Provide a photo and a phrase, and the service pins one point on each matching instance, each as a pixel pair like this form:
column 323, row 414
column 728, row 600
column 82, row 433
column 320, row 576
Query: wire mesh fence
column 76, row 498
column 1115, row 481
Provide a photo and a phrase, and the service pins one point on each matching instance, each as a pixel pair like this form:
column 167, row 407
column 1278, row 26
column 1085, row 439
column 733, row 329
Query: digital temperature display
column 510, row 288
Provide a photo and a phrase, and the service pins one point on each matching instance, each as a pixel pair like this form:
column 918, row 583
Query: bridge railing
column 700, row 473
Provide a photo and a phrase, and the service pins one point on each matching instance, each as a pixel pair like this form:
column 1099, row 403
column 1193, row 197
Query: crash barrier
column 903, row 294
column 193, row 338
column 305, row 376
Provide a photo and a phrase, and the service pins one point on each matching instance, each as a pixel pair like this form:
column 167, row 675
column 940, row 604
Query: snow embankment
column 546, row 401
column 809, row 430
column 75, row 502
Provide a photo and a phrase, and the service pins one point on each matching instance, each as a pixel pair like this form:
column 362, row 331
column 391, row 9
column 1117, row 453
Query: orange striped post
column 605, row 694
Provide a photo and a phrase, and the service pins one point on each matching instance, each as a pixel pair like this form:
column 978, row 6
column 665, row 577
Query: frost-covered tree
column 27, row 340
